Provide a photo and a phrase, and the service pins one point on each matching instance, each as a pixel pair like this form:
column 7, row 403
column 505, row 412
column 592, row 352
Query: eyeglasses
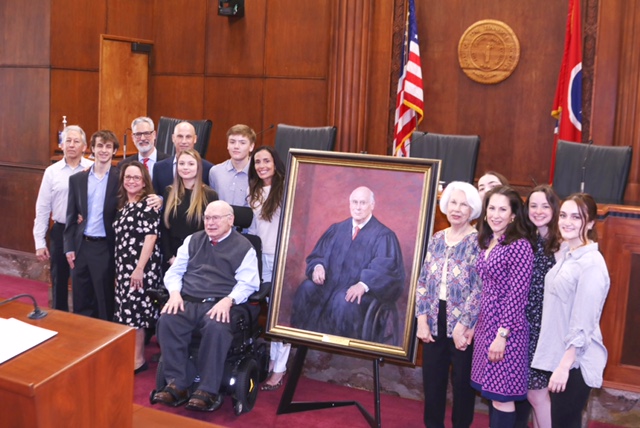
column 215, row 218
column 136, row 178
column 139, row 135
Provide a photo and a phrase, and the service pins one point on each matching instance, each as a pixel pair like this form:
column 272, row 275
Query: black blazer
column 77, row 205
column 163, row 174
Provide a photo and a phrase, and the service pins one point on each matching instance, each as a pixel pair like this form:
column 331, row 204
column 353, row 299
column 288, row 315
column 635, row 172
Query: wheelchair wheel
column 246, row 388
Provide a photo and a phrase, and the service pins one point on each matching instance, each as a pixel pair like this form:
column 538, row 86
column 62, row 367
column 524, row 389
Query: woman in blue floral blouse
column 447, row 306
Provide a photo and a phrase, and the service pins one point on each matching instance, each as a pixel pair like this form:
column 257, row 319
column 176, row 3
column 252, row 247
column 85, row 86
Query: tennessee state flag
column 567, row 106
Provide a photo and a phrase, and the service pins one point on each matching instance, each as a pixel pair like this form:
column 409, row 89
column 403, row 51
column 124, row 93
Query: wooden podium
column 82, row 377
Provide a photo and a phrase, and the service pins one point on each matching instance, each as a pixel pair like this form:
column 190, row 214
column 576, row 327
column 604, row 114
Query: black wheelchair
column 247, row 361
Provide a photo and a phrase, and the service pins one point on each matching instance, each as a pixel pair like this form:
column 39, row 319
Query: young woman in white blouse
column 266, row 192
column 570, row 344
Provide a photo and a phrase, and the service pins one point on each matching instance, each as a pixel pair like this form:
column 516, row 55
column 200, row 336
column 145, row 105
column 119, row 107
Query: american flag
column 410, row 99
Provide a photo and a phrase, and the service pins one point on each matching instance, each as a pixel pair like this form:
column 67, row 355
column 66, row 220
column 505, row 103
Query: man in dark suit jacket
column 89, row 238
column 184, row 137
column 144, row 137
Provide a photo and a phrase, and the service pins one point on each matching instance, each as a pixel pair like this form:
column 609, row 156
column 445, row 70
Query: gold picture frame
column 317, row 196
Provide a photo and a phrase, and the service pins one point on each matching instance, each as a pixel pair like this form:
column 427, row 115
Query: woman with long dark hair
column 542, row 209
column 570, row 344
column 500, row 359
column 266, row 192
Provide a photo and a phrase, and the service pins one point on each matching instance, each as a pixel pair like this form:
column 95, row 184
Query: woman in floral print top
column 447, row 306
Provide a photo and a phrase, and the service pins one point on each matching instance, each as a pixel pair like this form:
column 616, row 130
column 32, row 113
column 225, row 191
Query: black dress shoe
column 204, row 401
column 142, row 368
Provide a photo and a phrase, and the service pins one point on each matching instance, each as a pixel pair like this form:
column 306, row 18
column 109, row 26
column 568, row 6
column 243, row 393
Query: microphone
column 124, row 143
column 265, row 130
column 419, row 138
column 37, row 312
column 584, row 166
column 535, row 183
column 441, row 184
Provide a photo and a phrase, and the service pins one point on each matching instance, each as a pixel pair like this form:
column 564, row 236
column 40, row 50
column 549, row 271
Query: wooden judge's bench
column 82, row 377
column 618, row 228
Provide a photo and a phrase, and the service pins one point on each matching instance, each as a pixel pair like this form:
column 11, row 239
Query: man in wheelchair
column 214, row 273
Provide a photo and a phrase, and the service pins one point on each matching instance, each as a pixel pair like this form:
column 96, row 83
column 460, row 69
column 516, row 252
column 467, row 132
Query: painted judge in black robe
column 346, row 271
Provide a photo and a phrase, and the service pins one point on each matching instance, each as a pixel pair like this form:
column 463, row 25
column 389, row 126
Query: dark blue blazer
column 163, row 174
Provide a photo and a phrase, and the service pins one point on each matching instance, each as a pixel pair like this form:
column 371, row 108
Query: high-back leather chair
column 165, row 131
column 297, row 137
column 604, row 169
column 458, row 153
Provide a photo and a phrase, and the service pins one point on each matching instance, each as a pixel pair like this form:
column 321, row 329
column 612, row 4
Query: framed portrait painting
column 352, row 240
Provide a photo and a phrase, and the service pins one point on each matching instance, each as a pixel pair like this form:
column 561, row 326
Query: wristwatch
column 233, row 301
column 503, row 332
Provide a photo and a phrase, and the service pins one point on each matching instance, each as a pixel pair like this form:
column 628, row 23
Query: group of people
column 120, row 231
column 512, row 305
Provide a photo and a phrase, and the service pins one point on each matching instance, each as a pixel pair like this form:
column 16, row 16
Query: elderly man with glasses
column 214, row 273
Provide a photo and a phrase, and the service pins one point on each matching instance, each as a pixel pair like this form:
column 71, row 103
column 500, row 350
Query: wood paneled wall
column 24, row 115
column 619, row 242
column 49, row 68
column 327, row 62
column 615, row 117
column 270, row 66
column 513, row 117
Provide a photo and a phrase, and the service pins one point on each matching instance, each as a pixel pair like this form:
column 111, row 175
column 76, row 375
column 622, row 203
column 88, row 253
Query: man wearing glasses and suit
column 144, row 138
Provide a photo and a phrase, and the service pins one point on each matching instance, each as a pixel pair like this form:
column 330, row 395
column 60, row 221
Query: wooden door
column 124, row 83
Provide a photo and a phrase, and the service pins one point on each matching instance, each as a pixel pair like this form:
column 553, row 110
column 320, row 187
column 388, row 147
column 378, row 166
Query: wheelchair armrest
column 158, row 295
column 161, row 295
column 262, row 293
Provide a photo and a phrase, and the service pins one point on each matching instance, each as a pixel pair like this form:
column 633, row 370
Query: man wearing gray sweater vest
column 215, row 270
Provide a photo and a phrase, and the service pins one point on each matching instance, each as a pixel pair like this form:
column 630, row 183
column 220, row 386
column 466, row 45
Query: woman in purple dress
column 500, row 356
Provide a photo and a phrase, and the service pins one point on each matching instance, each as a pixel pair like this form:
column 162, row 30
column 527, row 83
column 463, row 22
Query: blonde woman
column 185, row 202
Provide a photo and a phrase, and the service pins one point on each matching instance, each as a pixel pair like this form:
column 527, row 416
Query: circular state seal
column 488, row 51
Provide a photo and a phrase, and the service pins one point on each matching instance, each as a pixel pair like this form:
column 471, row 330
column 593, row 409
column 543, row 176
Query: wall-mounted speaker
column 231, row 8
